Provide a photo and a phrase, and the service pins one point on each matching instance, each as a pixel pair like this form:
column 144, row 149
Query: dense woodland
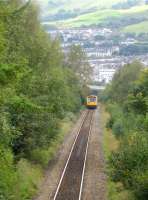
column 38, row 89
column 127, row 102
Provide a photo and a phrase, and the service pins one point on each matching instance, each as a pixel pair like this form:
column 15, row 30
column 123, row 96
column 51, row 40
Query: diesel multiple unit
column 91, row 101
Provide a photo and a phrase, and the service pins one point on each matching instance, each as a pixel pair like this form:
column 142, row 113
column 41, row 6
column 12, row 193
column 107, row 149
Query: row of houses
column 102, row 52
column 103, row 55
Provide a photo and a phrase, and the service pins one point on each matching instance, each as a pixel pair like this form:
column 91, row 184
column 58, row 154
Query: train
column 91, row 102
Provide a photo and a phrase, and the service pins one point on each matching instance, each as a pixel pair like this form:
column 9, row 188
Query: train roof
column 91, row 96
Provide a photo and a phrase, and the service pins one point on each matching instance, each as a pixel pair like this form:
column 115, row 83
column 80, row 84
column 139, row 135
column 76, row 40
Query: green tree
column 127, row 96
column 138, row 98
column 37, row 90
column 77, row 60
column 123, row 81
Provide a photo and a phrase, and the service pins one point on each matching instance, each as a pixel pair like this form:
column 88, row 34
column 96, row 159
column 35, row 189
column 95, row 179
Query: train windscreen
column 91, row 99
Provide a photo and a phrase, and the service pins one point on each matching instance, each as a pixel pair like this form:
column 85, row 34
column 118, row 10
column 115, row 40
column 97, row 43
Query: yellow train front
column 91, row 102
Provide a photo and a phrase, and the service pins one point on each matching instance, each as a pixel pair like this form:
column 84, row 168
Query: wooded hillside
column 38, row 89
column 127, row 102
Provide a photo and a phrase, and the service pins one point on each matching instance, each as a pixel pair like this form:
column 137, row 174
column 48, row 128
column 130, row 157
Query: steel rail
column 78, row 136
column 82, row 180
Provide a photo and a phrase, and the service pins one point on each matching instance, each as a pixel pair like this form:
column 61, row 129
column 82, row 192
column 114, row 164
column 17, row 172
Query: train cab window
column 91, row 99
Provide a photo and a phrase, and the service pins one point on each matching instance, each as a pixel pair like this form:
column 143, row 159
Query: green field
column 102, row 16
column 81, row 4
column 137, row 28
column 89, row 19
column 92, row 18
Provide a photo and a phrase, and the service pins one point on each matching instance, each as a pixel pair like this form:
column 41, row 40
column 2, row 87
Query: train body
column 91, row 102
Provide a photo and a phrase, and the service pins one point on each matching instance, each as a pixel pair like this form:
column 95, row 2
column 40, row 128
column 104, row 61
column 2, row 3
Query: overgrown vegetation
column 127, row 102
column 38, row 89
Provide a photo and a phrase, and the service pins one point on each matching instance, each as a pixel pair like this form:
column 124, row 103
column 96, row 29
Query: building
column 106, row 75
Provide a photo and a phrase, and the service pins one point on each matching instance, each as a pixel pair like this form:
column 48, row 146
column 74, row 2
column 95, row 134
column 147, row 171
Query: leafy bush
column 140, row 186
column 43, row 156
column 8, row 176
column 130, row 159
column 123, row 82
column 116, row 119
column 127, row 103
column 29, row 177
column 118, row 128
column 110, row 123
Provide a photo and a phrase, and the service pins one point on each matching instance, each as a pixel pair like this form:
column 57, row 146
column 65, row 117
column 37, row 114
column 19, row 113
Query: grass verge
column 115, row 190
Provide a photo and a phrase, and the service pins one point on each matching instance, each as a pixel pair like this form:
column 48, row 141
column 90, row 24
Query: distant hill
column 80, row 4
column 59, row 8
column 122, row 14
column 137, row 28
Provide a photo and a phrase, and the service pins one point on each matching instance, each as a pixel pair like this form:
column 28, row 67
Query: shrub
column 130, row 159
column 118, row 128
column 8, row 177
column 109, row 123
column 140, row 186
column 116, row 119
column 42, row 156
column 29, row 177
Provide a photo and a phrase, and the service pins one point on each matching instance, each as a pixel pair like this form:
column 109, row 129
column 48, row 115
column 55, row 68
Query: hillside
column 106, row 16
column 137, row 28
column 69, row 9
column 56, row 5
column 114, row 13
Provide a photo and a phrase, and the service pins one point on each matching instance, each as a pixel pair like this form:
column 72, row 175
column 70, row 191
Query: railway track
column 71, row 182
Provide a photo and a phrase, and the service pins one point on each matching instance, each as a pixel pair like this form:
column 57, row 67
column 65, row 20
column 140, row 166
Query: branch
column 17, row 11
column 21, row 9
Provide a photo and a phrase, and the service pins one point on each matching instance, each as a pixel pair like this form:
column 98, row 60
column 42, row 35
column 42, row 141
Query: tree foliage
column 123, row 82
column 78, row 62
column 127, row 100
column 37, row 90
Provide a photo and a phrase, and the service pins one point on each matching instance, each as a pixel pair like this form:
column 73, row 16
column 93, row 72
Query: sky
column 42, row 2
